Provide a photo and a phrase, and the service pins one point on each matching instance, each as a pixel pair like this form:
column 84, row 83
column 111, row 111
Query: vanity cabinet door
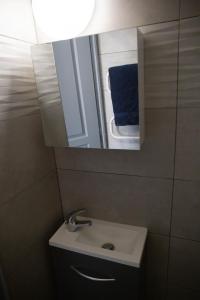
column 79, row 275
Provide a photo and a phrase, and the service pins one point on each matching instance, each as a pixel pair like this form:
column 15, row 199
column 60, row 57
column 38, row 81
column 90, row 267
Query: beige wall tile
column 26, row 224
column 119, row 198
column 30, row 208
column 31, row 217
column 187, row 164
column 184, row 264
column 160, row 64
column 155, row 158
column 23, row 155
column 18, row 94
column 190, row 8
column 189, row 63
column 156, row 262
column 186, row 210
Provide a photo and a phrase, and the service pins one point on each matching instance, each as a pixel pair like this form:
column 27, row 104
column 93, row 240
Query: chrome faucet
column 73, row 224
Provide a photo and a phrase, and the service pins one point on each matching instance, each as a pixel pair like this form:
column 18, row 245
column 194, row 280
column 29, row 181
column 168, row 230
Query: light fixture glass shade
column 62, row 19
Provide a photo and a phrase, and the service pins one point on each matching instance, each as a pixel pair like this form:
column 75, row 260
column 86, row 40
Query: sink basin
column 124, row 240
column 127, row 241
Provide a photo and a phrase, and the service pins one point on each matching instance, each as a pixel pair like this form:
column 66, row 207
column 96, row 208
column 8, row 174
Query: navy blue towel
column 124, row 93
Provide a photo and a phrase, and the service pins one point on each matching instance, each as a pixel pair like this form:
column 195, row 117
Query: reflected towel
column 124, row 93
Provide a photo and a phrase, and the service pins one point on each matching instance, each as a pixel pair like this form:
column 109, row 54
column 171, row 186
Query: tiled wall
column 30, row 208
column 157, row 187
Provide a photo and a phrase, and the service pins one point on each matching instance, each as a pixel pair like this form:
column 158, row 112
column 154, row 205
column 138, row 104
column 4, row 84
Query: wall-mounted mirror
column 91, row 90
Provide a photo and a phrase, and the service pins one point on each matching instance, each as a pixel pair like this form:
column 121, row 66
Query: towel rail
column 120, row 136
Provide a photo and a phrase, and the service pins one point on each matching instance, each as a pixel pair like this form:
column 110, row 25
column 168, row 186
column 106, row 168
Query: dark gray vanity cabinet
column 82, row 276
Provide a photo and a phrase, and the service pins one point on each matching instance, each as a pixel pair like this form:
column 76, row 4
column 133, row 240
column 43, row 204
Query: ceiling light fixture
column 62, row 19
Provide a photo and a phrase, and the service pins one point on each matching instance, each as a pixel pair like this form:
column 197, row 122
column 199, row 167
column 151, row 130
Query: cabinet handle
column 90, row 277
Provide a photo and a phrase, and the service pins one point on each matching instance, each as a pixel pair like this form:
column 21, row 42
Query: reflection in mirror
column 91, row 90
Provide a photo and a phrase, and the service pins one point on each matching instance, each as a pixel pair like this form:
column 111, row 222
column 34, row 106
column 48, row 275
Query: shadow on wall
column 3, row 287
column 28, row 182
column 18, row 100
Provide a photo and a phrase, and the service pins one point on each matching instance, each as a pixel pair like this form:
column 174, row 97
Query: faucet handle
column 72, row 215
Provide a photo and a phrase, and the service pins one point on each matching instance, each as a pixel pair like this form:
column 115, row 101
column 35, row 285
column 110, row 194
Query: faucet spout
column 73, row 223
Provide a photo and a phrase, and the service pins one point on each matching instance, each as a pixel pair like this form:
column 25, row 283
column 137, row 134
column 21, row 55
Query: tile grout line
column 59, row 186
column 16, row 39
column 126, row 28
column 126, row 174
column 112, row 173
column 175, row 140
column 185, row 239
column 191, row 17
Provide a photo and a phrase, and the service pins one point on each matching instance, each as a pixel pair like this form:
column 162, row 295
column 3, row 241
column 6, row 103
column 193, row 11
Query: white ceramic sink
column 128, row 241
column 123, row 239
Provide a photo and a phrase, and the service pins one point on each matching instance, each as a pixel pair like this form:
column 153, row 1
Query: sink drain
column 108, row 246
